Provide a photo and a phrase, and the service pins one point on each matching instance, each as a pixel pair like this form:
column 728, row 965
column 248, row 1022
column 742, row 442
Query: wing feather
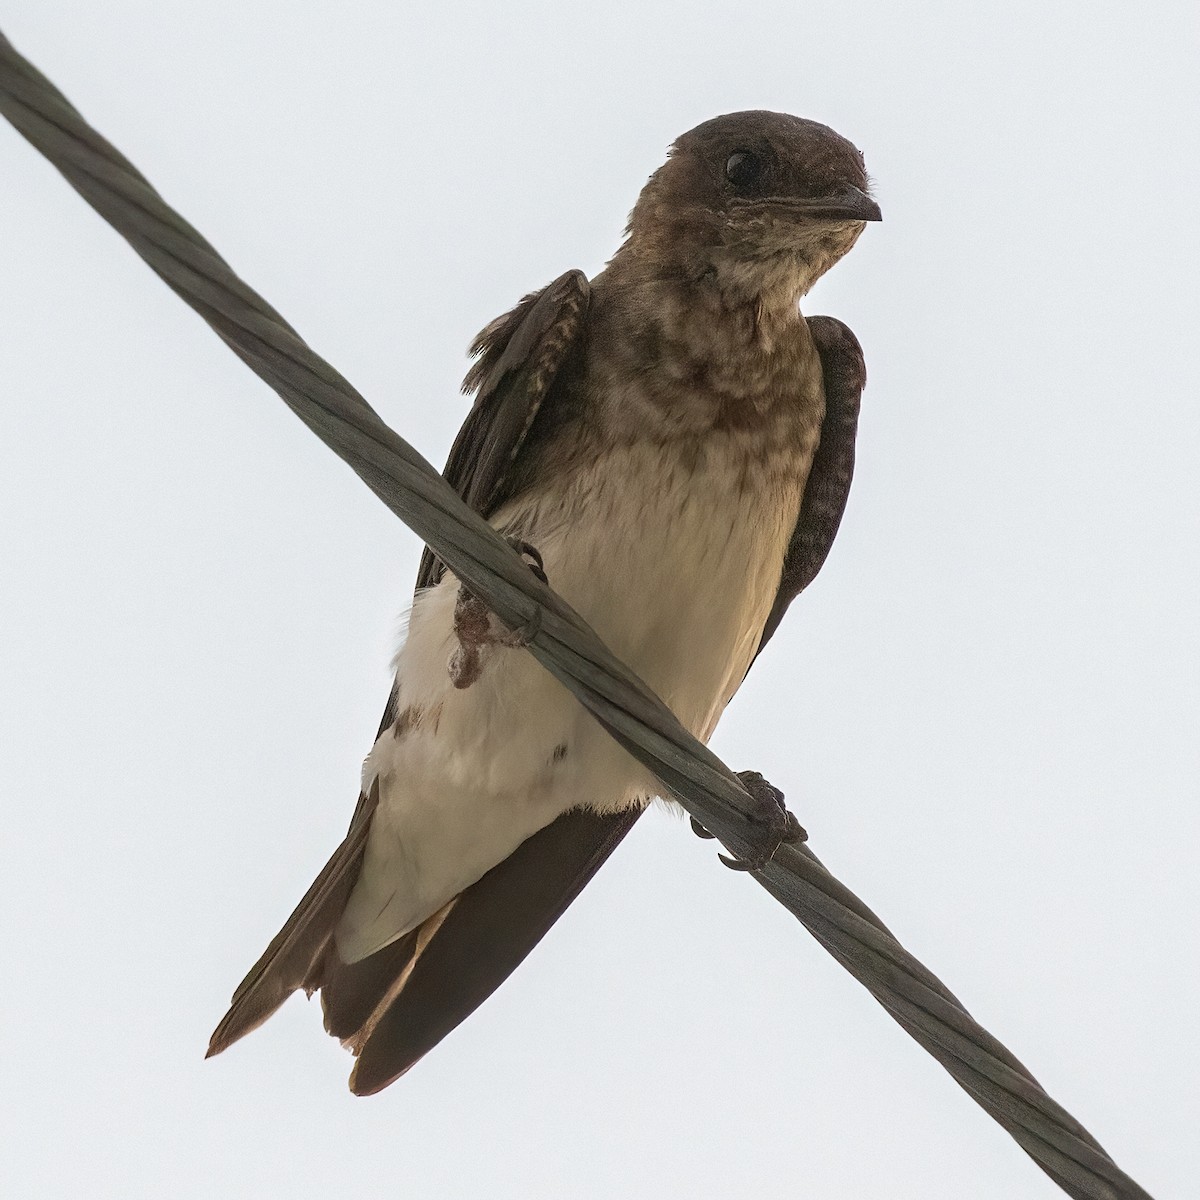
column 829, row 477
column 520, row 357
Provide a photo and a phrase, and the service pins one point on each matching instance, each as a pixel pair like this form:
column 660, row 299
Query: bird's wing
column 828, row 486
column 497, row 921
column 519, row 358
column 296, row 951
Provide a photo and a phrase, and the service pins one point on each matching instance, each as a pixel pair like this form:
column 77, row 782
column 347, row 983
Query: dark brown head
column 763, row 203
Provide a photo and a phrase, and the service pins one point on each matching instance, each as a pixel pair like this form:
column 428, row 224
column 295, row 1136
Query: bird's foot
column 521, row 637
column 476, row 628
column 774, row 824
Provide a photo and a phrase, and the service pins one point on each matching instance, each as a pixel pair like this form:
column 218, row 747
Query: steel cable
column 559, row 638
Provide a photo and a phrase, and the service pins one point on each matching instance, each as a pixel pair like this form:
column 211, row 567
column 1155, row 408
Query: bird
column 670, row 445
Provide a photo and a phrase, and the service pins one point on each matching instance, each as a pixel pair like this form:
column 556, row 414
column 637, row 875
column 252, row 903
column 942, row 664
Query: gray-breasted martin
column 671, row 444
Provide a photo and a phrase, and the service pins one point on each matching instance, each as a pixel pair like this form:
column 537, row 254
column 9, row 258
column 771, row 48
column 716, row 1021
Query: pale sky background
column 985, row 711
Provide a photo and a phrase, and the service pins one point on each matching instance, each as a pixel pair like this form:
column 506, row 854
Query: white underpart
column 675, row 569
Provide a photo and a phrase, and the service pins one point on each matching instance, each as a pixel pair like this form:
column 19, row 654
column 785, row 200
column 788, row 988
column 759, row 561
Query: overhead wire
column 557, row 636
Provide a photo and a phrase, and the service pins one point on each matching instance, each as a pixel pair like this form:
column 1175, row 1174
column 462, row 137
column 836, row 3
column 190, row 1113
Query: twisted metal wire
column 561, row 641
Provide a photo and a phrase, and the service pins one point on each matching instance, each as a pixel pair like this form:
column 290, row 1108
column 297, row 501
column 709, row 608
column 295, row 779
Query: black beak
column 847, row 204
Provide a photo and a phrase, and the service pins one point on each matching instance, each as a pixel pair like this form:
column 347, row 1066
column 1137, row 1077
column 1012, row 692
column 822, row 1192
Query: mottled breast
column 664, row 514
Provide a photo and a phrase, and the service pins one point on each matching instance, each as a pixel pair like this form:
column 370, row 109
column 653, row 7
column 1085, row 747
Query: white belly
column 676, row 570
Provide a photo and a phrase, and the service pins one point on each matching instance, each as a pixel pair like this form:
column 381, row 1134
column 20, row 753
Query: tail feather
column 394, row 1006
column 295, row 957
column 350, row 992
column 467, row 950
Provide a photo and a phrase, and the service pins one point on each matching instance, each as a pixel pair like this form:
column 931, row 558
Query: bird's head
column 761, row 203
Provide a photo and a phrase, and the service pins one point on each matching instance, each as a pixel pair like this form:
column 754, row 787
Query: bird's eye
column 744, row 168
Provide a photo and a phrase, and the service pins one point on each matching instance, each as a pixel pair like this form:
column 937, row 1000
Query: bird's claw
column 525, row 550
column 771, row 816
column 524, row 634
